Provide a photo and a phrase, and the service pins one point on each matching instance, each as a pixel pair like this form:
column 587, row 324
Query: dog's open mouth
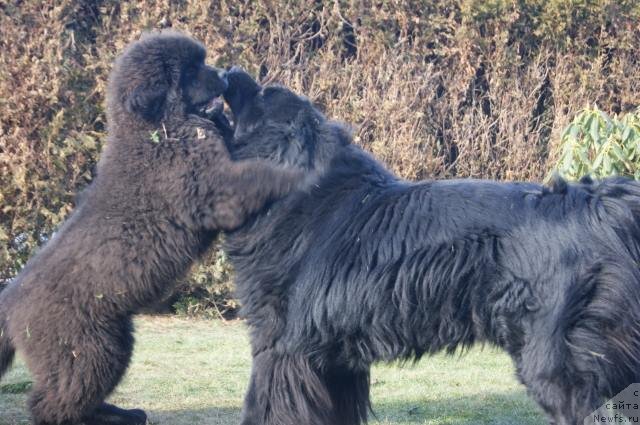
column 214, row 106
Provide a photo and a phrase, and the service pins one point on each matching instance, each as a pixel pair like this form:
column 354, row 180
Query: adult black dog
column 368, row 267
column 165, row 185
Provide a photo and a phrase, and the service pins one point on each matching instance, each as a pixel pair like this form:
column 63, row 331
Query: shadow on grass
column 489, row 409
column 207, row 416
column 17, row 414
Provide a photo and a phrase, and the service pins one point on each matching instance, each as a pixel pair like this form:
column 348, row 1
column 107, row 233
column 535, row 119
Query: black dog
column 165, row 186
column 368, row 268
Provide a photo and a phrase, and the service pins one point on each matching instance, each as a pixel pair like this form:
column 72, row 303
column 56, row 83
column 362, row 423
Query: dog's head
column 275, row 123
column 163, row 74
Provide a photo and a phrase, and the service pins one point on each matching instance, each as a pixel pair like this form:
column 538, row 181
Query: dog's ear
column 301, row 140
column 303, row 129
column 241, row 89
column 342, row 133
column 147, row 101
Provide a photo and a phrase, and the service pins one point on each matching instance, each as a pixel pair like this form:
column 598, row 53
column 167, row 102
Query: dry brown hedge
column 433, row 88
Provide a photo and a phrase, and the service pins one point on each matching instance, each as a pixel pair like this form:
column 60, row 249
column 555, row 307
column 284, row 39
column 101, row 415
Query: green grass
column 195, row 372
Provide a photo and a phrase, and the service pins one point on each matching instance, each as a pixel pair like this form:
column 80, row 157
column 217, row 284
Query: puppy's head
column 162, row 74
column 275, row 123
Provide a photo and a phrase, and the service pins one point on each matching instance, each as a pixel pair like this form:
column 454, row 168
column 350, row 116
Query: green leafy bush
column 208, row 290
column 601, row 145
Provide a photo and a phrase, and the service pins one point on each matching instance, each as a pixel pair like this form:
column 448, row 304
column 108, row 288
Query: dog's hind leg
column 594, row 339
column 564, row 404
column 555, row 375
column 108, row 414
column 72, row 382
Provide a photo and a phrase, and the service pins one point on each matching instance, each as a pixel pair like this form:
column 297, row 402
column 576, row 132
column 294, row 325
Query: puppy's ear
column 147, row 101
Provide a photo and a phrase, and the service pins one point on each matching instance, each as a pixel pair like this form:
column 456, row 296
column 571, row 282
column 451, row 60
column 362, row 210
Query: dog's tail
column 605, row 307
column 619, row 209
column 7, row 350
column 604, row 313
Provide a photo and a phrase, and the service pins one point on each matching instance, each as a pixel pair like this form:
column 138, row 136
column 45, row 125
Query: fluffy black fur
column 368, row 267
column 165, row 186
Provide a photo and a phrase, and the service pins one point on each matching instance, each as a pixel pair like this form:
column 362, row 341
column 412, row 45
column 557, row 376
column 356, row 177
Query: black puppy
column 368, row 267
column 165, row 186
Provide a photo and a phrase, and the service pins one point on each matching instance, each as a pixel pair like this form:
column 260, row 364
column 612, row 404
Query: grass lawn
column 195, row 372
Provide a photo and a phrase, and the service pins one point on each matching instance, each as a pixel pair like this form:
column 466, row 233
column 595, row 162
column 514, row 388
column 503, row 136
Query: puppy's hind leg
column 72, row 383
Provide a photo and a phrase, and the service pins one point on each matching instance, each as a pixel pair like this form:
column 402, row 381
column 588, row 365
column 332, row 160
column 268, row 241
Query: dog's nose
column 222, row 74
column 220, row 82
